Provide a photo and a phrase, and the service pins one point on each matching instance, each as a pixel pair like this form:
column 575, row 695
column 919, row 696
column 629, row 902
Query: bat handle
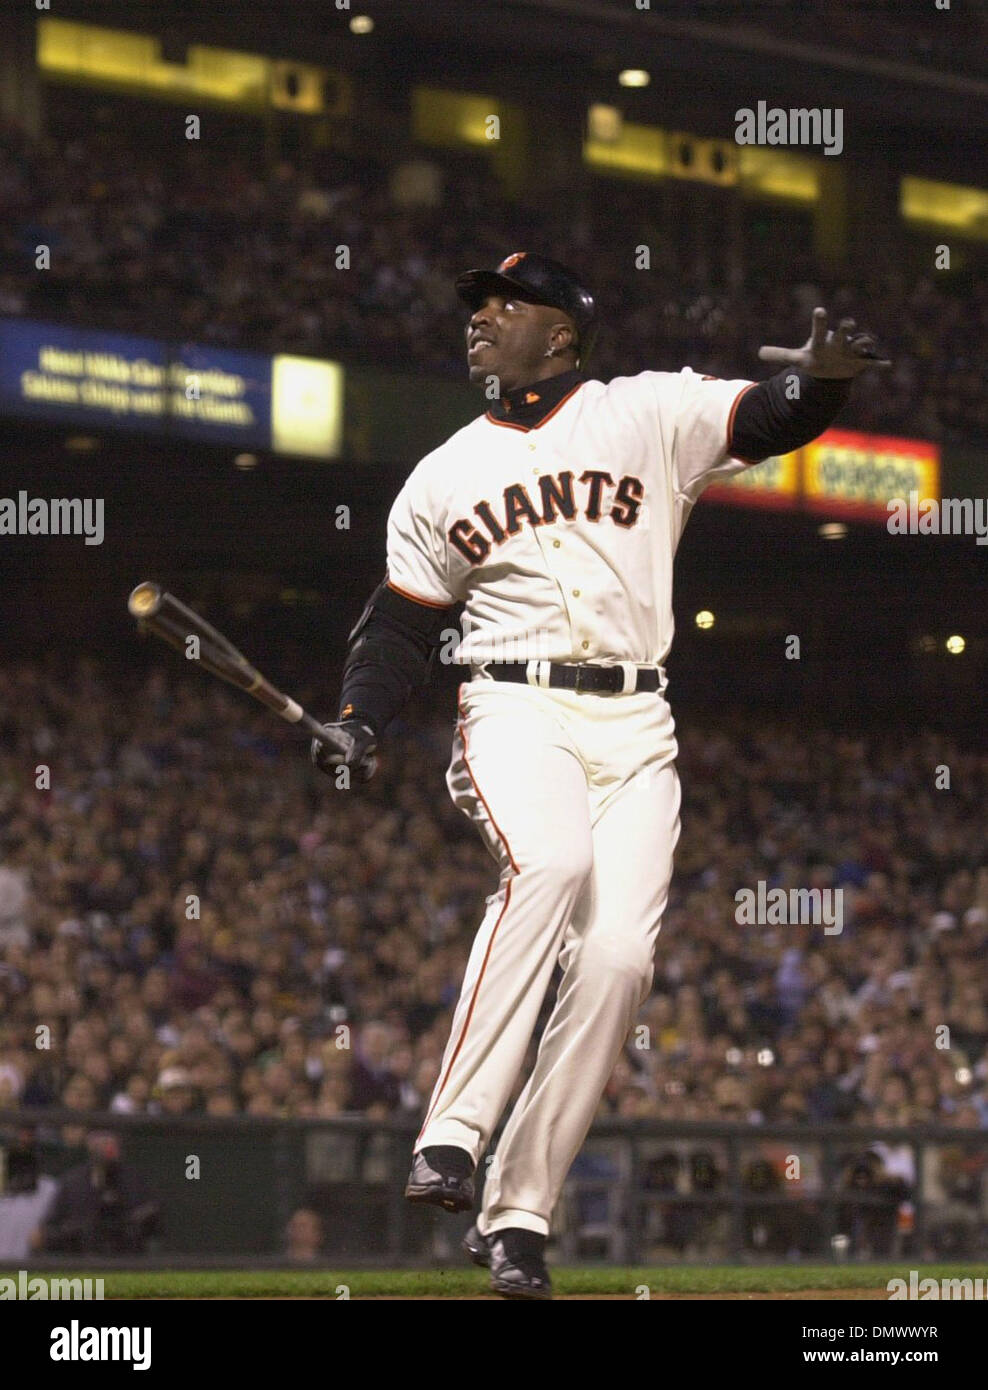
column 290, row 710
column 313, row 727
column 338, row 743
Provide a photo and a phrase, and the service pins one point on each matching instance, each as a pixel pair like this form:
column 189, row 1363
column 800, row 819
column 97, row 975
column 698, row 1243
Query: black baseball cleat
column 516, row 1260
column 477, row 1248
column 443, row 1177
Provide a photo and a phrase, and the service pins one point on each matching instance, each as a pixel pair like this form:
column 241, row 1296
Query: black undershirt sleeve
column 767, row 422
column 389, row 656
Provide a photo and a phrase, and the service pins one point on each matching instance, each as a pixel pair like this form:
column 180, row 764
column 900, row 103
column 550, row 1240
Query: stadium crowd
column 194, row 921
column 208, row 245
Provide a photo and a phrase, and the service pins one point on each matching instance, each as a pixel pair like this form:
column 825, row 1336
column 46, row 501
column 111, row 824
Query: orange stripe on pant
column 497, row 924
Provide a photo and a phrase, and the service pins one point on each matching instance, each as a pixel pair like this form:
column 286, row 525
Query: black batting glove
column 357, row 752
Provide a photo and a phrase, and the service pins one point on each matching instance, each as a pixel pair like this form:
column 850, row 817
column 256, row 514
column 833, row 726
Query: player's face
column 509, row 338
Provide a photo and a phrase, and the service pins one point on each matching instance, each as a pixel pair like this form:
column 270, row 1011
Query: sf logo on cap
column 509, row 261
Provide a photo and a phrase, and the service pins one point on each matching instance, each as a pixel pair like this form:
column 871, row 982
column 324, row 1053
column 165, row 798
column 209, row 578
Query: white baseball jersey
column 559, row 535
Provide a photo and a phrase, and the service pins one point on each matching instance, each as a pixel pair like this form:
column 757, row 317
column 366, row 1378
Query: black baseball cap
column 535, row 278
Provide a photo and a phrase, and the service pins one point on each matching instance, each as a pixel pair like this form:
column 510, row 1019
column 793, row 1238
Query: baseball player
column 554, row 518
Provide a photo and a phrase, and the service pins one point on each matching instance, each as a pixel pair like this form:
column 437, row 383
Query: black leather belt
column 593, row 680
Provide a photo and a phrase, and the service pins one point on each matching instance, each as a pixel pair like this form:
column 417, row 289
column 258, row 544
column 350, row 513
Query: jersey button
column 556, row 545
column 584, row 645
column 576, row 593
column 531, row 447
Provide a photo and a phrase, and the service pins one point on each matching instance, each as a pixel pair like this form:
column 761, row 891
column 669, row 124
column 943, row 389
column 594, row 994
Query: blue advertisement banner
column 87, row 377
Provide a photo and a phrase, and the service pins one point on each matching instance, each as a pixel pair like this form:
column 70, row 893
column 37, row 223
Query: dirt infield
column 806, row 1295
column 800, row 1296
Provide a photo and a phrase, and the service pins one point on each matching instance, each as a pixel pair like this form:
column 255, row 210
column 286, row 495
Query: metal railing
column 640, row 1190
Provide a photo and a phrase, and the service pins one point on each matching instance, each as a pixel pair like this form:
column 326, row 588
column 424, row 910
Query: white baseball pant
column 577, row 796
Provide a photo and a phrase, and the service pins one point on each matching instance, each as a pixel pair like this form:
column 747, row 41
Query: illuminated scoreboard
column 844, row 473
column 85, row 377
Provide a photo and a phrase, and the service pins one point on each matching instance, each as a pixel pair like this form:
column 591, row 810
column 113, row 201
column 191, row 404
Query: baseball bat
column 159, row 612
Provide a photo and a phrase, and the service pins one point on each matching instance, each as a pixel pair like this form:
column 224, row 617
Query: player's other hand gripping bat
column 161, row 613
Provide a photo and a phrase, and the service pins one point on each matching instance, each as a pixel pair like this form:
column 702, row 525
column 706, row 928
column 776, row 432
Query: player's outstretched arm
column 798, row 404
column 830, row 356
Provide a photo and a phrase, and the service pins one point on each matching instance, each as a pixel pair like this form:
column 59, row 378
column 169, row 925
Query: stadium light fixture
column 704, row 619
column 634, row 77
column 832, row 531
column 245, row 461
column 361, row 24
column 955, row 644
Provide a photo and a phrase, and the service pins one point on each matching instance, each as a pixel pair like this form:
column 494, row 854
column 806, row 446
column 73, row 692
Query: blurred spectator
column 100, row 1208
column 303, row 1236
column 26, row 1195
column 873, row 1198
column 373, row 1085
